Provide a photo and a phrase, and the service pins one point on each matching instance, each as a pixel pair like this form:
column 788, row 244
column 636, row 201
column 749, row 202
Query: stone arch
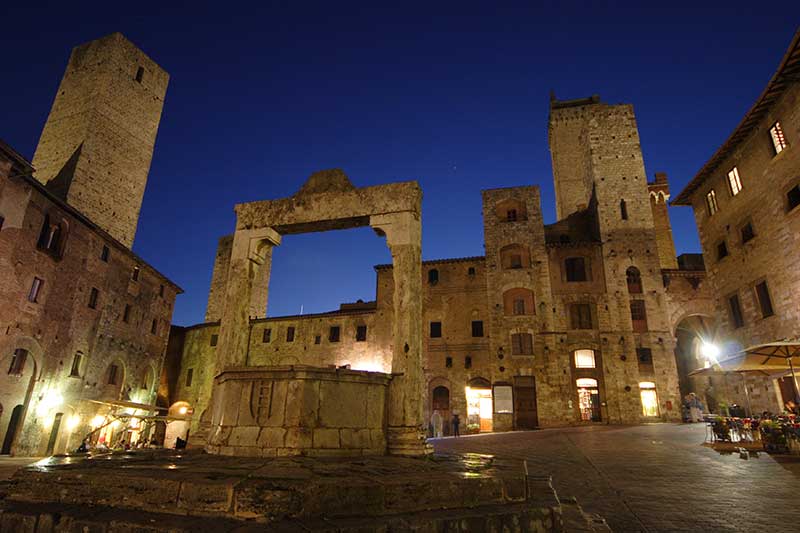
column 17, row 391
column 511, row 210
column 514, row 256
column 175, row 429
column 633, row 278
column 691, row 332
column 112, row 382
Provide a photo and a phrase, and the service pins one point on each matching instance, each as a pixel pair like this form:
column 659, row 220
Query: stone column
column 248, row 275
column 403, row 233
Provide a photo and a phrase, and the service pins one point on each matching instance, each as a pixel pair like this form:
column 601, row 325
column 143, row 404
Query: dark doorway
column 11, row 431
column 525, row 402
column 51, row 444
column 440, row 401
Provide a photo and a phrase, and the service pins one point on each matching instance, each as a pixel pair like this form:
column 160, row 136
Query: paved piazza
column 654, row 477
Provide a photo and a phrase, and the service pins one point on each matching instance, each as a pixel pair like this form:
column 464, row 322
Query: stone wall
column 299, row 410
column 61, row 324
column 219, row 279
column 96, row 147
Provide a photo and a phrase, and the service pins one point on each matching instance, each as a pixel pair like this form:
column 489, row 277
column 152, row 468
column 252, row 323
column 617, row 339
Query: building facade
column 83, row 318
column 558, row 324
column 746, row 202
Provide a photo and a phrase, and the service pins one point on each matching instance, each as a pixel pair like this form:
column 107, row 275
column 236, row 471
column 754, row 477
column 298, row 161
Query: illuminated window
column 36, row 287
column 18, row 362
column 75, row 371
column 588, row 399
column 711, row 202
column 734, row 182
column 361, row 333
column 778, row 139
column 521, row 344
column 647, row 389
column 584, row 359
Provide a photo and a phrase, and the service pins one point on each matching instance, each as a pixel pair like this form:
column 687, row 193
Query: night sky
column 454, row 95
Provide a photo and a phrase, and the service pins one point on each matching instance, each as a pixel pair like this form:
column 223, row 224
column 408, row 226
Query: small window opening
column 154, row 326
column 645, row 356
column 433, row 276
column 126, row 313
column 471, row 271
column 734, row 181
column 468, row 362
column 623, row 210
column 521, row 344
column 318, row 339
column 104, row 253
column 764, row 301
column 36, row 288
column 333, row 334
column 778, row 139
column 722, row 250
column 747, row 232
column 75, row 371
column 290, row 334
column 711, row 202
column 139, row 74
column 18, row 362
column 189, row 377
column 436, row 330
column 511, row 215
column 519, row 306
column 135, row 274
column 477, row 328
column 93, row 296
column 266, row 336
column 575, row 268
column 448, row 362
column 361, row 333
column 113, row 374
column 214, row 339
column 793, row 197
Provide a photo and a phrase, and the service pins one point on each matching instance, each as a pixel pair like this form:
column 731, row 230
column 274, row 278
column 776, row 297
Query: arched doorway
column 11, row 430
column 690, row 334
column 178, row 428
column 440, row 401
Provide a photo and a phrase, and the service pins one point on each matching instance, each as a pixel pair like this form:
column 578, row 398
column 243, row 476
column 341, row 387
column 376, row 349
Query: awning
column 129, row 405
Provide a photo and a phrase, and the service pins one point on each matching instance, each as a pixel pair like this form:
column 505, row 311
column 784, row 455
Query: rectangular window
column 113, row 370
column 793, row 197
column 104, row 254
column 154, row 326
column 764, row 301
column 735, row 310
column 477, row 328
column 778, row 139
column 266, row 335
column 722, row 250
column 521, row 344
column 318, row 339
column 580, row 316
column 639, row 316
column 93, row 295
column 468, row 362
column 515, row 261
column 36, row 288
column 126, row 313
column 734, row 182
column 711, row 202
column 747, row 232
column 18, row 362
column 135, row 274
column 161, row 291
column 333, row 334
column 361, row 333
column 645, row 356
column 139, row 74
column 189, row 377
column 584, row 359
column 519, row 306
column 75, row 371
column 448, row 362
column 1, row 222
column 290, row 334
column 214, row 339
column 436, row 330
column 575, row 268
column 623, row 210
column 511, row 215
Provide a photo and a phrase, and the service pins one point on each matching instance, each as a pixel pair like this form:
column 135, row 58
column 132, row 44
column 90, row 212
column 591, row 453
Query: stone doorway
column 11, row 430
column 525, row 403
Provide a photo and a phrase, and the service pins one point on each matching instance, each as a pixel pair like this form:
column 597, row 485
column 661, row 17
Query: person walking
column 437, row 422
column 455, row 423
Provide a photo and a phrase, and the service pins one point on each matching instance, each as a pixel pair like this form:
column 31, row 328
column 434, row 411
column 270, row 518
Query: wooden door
column 525, row 404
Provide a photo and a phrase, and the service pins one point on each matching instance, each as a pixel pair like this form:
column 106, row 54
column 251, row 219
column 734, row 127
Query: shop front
column 479, row 406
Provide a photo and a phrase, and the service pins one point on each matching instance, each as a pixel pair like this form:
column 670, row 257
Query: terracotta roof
column 787, row 74
column 441, row 261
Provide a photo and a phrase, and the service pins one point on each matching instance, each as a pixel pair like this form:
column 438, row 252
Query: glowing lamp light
column 133, row 422
column 710, row 351
column 72, row 422
column 49, row 401
column 368, row 366
column 98, row 421
column 183, row 410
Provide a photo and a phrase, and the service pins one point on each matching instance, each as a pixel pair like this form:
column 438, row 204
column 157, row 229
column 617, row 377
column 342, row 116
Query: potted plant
column 773, row 437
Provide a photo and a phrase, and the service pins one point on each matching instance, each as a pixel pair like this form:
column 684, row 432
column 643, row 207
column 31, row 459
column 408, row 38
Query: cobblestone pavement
column 654, row 477
column 9, row 465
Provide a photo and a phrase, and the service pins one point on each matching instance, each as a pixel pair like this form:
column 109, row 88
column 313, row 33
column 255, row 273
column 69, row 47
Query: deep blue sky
column 454, row 95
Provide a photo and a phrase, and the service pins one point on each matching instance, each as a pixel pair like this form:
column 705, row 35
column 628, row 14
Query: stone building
column 559, row 324
column 745, row 201
column 82, row 317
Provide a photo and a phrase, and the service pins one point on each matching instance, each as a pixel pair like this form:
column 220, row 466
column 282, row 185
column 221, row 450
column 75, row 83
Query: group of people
column 437, row 424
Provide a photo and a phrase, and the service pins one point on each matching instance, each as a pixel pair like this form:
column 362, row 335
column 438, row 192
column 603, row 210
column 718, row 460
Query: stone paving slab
column 342, row 493
column 654, row 478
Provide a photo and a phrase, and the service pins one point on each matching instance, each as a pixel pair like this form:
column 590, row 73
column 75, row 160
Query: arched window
column 441, row 398
column 511, row 210
column 433, row 276
column 52, row 236
column 515, row 256
column 18, row 360
column 518, row 301
column 634, row 280
column 114, row 374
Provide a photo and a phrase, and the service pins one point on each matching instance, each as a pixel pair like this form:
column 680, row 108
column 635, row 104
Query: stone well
column 299, row 410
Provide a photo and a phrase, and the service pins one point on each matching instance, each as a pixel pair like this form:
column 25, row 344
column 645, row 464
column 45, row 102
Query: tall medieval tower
column 97, row 144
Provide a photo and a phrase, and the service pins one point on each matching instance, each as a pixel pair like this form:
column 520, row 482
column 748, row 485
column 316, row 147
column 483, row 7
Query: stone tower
column 97, row 144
